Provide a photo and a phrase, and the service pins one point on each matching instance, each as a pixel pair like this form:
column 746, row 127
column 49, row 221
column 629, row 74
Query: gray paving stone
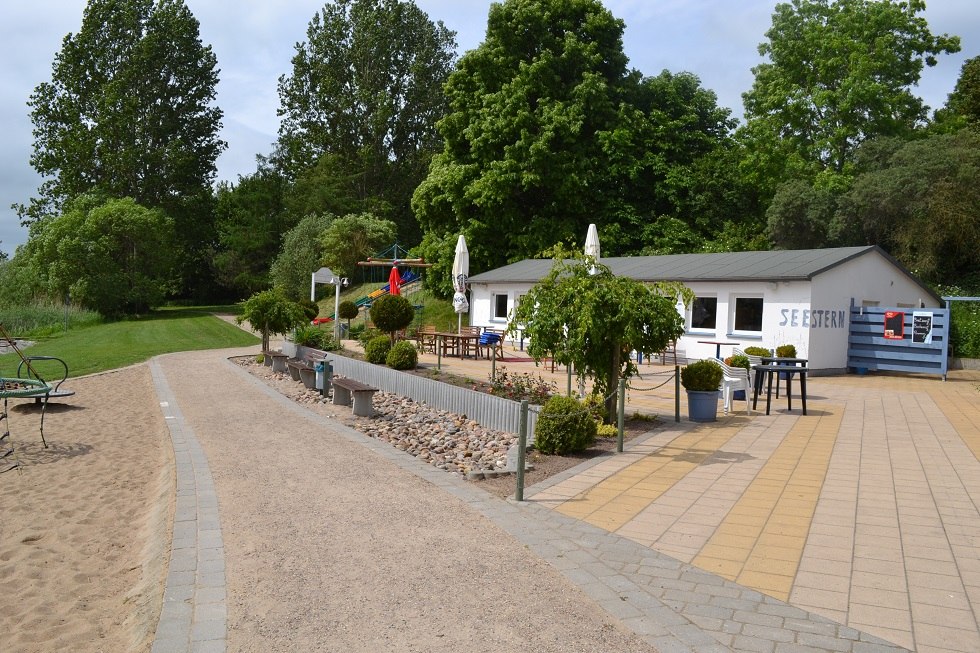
column 752, row 644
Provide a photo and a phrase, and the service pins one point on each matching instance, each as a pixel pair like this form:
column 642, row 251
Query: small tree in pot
column 702, row 379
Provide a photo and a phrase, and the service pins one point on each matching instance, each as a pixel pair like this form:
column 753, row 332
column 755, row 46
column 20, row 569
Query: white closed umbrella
column 461, row 272
column 592, row 245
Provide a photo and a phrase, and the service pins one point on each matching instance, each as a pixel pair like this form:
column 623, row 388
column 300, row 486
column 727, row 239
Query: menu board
column 922, row 327
column 894, row 325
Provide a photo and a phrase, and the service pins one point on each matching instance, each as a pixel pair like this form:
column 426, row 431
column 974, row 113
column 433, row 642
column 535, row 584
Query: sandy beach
column 85, row 524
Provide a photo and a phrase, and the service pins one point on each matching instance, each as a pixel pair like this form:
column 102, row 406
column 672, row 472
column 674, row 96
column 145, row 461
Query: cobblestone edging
column 194, row 614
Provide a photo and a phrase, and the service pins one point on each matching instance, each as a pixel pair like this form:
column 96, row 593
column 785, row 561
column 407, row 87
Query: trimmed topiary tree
column 376, row 350
column 347, row 310
column 270, row 311
column 392, row 313
column 564, row 426
column 403, row 356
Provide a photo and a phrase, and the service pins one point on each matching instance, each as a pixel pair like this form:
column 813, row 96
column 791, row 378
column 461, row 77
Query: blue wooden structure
column 920, row 344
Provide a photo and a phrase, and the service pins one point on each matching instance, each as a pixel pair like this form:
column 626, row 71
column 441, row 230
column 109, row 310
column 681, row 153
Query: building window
column 500, row 307
column 748, row 314
column 704, row 311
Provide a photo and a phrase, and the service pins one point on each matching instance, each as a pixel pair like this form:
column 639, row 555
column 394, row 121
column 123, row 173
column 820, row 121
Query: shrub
column 564, row 426
column 392, row 313
column 738, row 360
column 347, row 310
column 402, row 356
column 786, row 351
column 376, row 350
column 521, row 386
column 607, row 431
column 315, row 337
column 597, row 407
column 310, row 309
column 758, row 351
column 703, row 375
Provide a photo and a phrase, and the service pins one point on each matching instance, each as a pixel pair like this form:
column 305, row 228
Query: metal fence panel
column 489, row 411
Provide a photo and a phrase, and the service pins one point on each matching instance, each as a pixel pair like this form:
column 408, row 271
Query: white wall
column 870, row 279
column 780, row 300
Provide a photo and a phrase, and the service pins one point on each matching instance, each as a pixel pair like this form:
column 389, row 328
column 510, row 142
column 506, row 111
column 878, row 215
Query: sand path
column 330, row 546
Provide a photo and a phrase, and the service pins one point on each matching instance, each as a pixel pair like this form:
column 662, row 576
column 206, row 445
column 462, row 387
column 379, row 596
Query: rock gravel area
column 445, row 440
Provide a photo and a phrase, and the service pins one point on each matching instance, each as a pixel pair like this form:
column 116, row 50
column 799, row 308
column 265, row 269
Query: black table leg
column 789, row 391
column 769, row 391
column 803, row 390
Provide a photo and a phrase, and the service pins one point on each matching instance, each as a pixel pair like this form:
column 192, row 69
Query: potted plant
column 739, row 360
column 702, row 379
column 784, row 351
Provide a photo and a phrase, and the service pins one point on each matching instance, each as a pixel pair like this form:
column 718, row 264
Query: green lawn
column 117, row 344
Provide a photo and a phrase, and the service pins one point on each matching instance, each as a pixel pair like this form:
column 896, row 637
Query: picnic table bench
column 344, row 389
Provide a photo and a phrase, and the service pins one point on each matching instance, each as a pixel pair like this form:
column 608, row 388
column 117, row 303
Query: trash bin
column 324, row 373
column 319, row 368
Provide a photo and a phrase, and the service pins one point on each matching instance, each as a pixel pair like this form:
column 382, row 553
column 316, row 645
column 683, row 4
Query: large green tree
column 593, row 319
column 250, row 219
column 919, row 199
column 353, row 238
column 112, row 256
column 524, row 163
column 366, row 91
column 549, row 130
column 300, row 256
column 838, row 72
column 963, row 105
column 129, row 113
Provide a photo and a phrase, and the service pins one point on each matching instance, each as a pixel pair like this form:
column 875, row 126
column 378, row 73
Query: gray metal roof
column 776, row 265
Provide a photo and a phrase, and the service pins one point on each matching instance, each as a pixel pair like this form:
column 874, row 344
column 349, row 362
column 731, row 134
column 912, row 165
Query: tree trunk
column 612, row 383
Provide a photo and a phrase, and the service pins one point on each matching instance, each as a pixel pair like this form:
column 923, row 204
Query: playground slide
column 410, row 278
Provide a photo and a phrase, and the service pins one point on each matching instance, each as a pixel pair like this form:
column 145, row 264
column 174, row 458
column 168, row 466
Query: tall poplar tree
column 364, row 94
column 129, row 112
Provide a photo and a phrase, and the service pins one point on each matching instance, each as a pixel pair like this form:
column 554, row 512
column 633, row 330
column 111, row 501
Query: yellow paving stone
column 776, row 509
column 774, row 585
column 652, row 475
column 726, row 568
column 721, row 552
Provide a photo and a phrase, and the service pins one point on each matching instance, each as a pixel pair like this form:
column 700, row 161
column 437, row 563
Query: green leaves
column 593, row 321
column 112, row 256
column 128, row 110
column 366, row 90
column 841, row 72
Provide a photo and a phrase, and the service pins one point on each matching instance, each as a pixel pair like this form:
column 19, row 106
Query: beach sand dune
column 85, row 523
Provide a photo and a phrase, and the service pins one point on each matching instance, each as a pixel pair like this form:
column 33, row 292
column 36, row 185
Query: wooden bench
column 344, row 389
column 304, row 369
column 276, row 359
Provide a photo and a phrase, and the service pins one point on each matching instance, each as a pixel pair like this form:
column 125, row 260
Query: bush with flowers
column 522, row 386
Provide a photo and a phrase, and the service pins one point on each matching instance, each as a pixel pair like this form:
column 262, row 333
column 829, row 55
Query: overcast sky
column 254, row 41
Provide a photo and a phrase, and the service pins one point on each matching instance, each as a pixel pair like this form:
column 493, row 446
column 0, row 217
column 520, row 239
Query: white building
column 798, row 297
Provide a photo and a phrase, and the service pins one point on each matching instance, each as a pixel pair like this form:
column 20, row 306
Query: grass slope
column 118, row 344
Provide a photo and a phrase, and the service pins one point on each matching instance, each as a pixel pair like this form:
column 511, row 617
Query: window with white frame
column 500, row 306
column 704, row 313
column 747, row 314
